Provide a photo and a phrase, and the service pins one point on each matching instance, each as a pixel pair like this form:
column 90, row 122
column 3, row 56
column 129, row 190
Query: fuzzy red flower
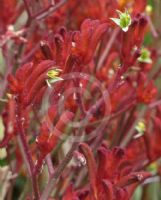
column 114, row 176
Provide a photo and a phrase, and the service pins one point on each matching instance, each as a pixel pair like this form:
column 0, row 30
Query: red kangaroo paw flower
column 146, row 94
column 59, row 129
column 87, row 39
column 133, row 38
column 91, row 168
column 24, row 72
column 108, row 189
column 48, row 138
column 37, row 85
column 14, row 86
column 109, row 162
column 133, row 177
column 37, row 71
column 39, row 96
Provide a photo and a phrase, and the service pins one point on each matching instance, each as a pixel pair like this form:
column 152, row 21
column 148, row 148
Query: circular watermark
column 83, row 89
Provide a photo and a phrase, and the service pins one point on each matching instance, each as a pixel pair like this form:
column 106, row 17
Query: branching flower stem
column 49, row 10
column 26, row 152
column 58, row 172
column 153, row 30
column 28, row 8
column 49, row 164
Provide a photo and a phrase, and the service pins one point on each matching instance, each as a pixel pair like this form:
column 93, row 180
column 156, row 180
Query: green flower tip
column 3, row 153
column 145, row 56
column 141, row 127
column 153, row 167
column 149, row 9
column 53, row 75
column 124, row 20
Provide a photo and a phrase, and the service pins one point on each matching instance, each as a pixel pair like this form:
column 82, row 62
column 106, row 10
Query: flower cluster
column 80, row 99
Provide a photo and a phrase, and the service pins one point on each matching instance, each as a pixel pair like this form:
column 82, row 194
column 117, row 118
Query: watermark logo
column 87, row 91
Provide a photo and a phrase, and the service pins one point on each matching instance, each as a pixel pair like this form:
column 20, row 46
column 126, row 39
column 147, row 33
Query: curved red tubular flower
column 92, row 169
column 114, row 174
column 133, row 38
column 6, row 18
column 54, row 134
column 29, row 81
column 86, row 41
column 146, row 92
column 50, row 136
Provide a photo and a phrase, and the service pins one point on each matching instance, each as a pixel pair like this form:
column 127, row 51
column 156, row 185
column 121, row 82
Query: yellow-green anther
column 53, row 75
column 153, row 167
column 149, row 9
column 145, row 56
column 124, row 20
column 140, row 127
